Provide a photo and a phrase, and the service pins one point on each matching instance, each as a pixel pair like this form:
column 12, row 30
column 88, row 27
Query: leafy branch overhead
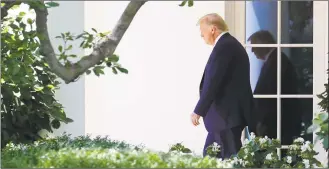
column 102, row 50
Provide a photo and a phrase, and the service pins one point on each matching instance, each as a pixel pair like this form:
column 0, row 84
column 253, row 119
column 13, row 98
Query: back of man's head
column 215, row 20
column 262, row 37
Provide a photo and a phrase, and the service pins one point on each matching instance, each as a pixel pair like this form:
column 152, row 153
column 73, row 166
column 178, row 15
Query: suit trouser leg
column 209, row 140
column 231, row 141
column 217, row 137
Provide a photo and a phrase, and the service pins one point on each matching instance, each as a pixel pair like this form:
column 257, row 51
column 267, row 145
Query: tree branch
column 7, row 6
column 102, row 50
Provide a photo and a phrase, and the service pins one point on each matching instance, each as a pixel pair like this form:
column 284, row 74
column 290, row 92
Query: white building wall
column 165, row 56
column 68, row 17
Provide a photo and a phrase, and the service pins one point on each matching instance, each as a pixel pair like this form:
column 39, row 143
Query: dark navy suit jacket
column 225, row 93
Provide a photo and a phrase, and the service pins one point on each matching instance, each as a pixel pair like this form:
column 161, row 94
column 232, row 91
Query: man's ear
column 212, row 30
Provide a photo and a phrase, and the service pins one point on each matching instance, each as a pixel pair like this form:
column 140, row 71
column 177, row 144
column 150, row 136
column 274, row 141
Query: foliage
column 213, row 150
column 179, row 147
column 101, row 152
column 27, row 84
column 190, row 3
column 262, row 153
column 85, row 152
column 89, row 40
column 320, row 125
column 324, row 99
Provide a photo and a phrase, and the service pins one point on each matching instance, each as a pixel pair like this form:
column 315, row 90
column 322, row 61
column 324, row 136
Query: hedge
column 102, row 152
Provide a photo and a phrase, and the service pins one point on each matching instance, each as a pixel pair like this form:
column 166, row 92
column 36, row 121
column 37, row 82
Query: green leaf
column 88, row 72
column 18, row 19
column 94, row 30
column 15, row 7
column 103, row 34
column 108, row 64
column 98, row 70
column 60, row 48
column 16, row 69
column 190, row 3
column 38, row 88
column 122, row 70
column 69, row 48
column 30, row 21
column 81, row 35
column 325, row 143
column 324, row 127
column 323, row 116
column 317, row 121
column 114, row 70
column 51, row 86
column 55, row 124
column 68, row 120
column 183, row 3
column 22, row 14
column 312, row 128
column 52, row 4
column 113, row 58
column 60, row 115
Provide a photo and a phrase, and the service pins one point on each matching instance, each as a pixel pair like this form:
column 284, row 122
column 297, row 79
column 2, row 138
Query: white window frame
column 235, row 16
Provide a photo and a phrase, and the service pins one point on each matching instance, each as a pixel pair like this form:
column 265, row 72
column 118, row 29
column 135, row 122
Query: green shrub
column 85, row 152
column 262, row 153
column 179, row 147
column 28, row 86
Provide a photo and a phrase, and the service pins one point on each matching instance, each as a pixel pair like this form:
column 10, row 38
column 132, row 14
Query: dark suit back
column 225, row 92
column 265, row 111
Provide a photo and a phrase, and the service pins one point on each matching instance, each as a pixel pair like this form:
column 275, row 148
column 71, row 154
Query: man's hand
column 195, row 119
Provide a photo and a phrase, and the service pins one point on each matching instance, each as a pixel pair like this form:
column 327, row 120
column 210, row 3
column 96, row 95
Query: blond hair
column 215, row 20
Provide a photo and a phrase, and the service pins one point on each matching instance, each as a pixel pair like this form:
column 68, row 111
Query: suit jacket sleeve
column 216, row 69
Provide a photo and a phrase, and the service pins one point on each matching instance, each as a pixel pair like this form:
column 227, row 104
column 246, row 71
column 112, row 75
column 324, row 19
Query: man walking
column 225, row 93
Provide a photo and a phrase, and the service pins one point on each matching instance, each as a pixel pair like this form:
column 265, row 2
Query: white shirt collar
column 219, row 36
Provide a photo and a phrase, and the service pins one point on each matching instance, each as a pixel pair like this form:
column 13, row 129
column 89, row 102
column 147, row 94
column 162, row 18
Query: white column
column 69, row 16
column 320, row 63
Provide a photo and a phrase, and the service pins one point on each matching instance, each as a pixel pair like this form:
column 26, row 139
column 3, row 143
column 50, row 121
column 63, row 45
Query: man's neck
column 218, row 36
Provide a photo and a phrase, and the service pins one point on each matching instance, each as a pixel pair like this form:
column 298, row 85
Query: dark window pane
column 296, row 116
column 297, row 22
column 261, row 15
column 264, row 117
column 297, row 71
